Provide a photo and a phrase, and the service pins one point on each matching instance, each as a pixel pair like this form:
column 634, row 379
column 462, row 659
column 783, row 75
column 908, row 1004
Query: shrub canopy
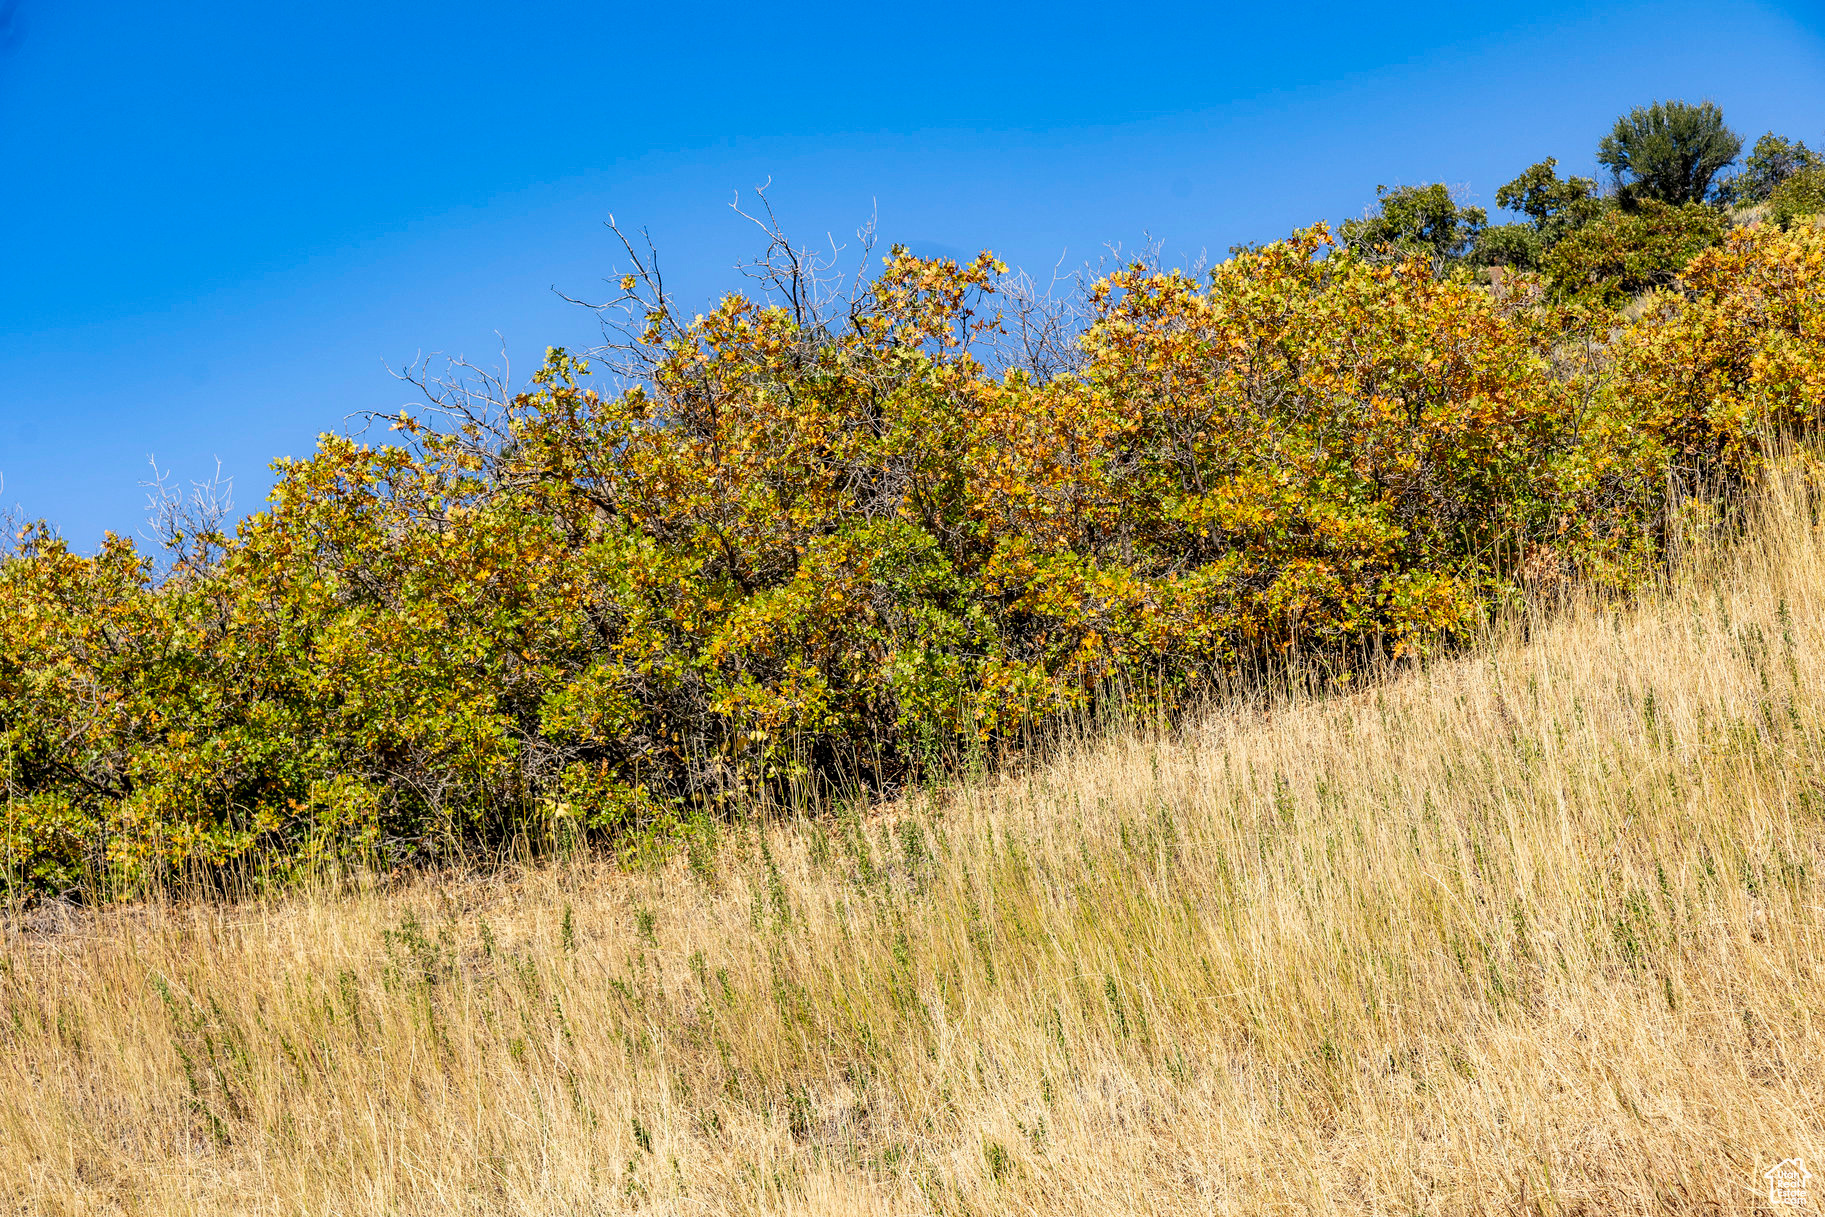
column 1416, row 221
column 1772, row 161
column 835, row 545
column 1626, row 251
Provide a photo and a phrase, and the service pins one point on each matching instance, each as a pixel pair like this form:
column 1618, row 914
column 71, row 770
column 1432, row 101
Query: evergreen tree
column 1669, row 151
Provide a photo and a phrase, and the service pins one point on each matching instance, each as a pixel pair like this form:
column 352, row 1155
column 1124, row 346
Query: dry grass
column 1538, row 930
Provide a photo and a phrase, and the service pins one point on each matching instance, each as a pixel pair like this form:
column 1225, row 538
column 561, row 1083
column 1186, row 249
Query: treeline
column 809, row 535
column 1667, row 199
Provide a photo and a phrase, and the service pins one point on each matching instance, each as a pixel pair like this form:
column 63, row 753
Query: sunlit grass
column 1536, row 929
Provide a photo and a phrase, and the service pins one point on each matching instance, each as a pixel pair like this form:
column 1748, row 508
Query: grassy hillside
column 1535, row 930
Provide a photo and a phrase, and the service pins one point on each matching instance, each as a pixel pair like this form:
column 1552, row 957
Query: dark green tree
column 1772, row 161
column 1417, row 220
column 1669, row 151
column 1553, row 205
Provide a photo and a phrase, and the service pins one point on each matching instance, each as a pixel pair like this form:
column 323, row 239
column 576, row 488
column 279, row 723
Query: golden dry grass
column 1535, row 930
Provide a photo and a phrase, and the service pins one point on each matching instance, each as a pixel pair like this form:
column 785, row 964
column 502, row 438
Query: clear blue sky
column 220, row 222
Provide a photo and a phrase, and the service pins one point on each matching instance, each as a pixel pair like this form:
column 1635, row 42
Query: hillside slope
column 1538, row 930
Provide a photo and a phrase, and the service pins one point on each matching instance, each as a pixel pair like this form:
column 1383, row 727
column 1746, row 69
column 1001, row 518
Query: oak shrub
column 810, row 546
column 1627, row 250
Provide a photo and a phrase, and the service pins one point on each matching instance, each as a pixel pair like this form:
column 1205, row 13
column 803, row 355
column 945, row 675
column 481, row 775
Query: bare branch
column 189, row 528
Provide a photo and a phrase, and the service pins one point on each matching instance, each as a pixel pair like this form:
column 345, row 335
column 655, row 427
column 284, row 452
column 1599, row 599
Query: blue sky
column 221, row 222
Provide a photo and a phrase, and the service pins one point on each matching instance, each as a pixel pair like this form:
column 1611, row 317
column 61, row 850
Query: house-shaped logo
column 1787, row 1182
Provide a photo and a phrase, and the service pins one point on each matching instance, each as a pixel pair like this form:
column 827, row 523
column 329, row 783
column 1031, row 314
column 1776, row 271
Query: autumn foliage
column 843, row 544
